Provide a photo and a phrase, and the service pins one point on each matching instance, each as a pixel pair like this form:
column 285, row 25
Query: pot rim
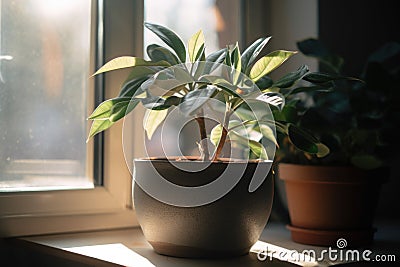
column 193, row 159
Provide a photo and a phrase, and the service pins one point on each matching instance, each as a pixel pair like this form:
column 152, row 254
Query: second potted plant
column 336, row 196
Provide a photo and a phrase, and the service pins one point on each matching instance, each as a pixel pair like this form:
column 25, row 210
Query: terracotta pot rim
column 329, row 174
column 328, row 232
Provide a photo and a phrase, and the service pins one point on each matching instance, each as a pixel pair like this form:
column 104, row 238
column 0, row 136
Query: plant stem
column 224, row 133
column 203, row 135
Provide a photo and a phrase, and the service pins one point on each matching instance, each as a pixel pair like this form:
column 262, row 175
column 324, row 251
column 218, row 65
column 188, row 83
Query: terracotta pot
column 228, row 226
column 327, row 203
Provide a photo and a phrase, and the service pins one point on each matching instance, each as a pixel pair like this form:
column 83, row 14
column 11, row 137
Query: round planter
column 327, row 203
column 226, row 227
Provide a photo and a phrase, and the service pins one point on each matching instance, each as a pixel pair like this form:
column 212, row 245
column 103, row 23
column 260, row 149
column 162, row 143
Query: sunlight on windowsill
column 120, row 254
column 116, row 253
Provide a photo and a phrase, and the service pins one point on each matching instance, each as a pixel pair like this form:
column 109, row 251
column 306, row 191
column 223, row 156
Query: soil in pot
column 225, row 227
column 328, row 203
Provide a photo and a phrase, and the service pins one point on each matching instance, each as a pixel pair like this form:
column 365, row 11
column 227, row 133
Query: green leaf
column 99, row 126
column 228, row 60
column 291, row 78
column 323, row 78
column 215, row 134
column 159, row 53
column 366, row 162
column 201, row 65
column 170, row 38
column 196, row 99
column 264, row 82
column 289, row 113
column 159, row 103
column 323, row 150
column 237, row 63
column 103, row 111
column 309, row 89
column 302, row 139
column 153, row 118
column 195, row 44
column 216, row 58
column 121, row 109
column 127, row 62
column 220, row 83
column 136, row 77
column 257, row 148
column 182, row 75
column 251, row 53
column 268, row 133
column 132, row 87
column 268, row 63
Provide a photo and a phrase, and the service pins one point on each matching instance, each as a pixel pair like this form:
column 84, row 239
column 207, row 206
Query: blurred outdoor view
column 44, row 70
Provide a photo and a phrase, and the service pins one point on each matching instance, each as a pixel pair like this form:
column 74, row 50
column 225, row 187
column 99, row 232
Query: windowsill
column 128, row 247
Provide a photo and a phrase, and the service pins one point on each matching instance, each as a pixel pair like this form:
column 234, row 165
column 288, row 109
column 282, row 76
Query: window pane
column 44, row 70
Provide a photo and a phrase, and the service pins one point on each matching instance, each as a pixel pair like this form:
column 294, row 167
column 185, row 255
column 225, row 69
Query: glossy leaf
column 236, row 63
column 153, row 118
column 257, row 148
column 182, row 75
column 323, row 150
column 127, row 62
column 195, row 45
column 289, row 113
column 291, row 78
column 220, row 83
column 323, row 78
column 268, row 133
column 302, row 139
column 132, row 87
column 264, row 82
column 159, row 103
column 196, row 99
column 251, row 53
column 99, row 126
column 309, row 89
column 159, row 53
column 136, row 77
column 216, row 132
column 121, row 109
column 268, row 63
column 170, row 38
column 103, row 111
column 217, row 58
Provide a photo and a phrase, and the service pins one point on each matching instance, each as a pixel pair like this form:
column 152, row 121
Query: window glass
column 44, row 74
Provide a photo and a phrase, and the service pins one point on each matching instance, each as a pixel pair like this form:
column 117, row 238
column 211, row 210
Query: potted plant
column 218, row 203
column 336, row 196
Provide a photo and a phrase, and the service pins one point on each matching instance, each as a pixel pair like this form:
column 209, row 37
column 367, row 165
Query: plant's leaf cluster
column 191, row 87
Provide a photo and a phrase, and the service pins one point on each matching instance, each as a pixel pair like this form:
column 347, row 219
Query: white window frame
column 104, row 207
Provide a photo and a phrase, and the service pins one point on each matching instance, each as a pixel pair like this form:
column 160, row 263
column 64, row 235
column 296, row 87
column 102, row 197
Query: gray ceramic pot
column 228, row 226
